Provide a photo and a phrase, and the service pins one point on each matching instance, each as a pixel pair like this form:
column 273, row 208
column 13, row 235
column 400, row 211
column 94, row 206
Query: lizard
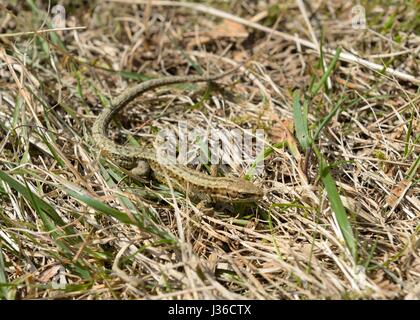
column 139, row 160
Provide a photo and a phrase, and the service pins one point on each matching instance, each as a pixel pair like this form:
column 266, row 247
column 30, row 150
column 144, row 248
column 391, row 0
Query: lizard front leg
column 142, row 169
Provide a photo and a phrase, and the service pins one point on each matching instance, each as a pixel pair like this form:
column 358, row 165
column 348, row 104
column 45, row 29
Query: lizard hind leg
column 141, row 170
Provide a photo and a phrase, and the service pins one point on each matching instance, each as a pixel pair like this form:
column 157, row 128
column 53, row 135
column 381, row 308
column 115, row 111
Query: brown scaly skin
column 197, row 185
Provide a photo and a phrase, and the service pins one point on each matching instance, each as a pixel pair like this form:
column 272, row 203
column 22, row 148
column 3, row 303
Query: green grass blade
column 120, row 216
column 327, row 119
column 338, row 207
column 301, row 121
column 101, row 207
column 413, row 169
column 47, row 212
column 327, row 73
column 4, row 291
column 49, row 217
column 408, row 135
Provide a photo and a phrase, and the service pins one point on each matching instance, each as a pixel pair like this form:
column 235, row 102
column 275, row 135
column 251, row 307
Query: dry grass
column 73, row 226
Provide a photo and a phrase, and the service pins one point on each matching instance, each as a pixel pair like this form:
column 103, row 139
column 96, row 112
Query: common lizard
column 197, row 185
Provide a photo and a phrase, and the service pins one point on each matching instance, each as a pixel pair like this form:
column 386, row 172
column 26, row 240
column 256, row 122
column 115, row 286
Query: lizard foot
column 141, row 170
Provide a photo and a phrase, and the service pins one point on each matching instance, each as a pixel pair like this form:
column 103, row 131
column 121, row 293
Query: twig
column 26, row 33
